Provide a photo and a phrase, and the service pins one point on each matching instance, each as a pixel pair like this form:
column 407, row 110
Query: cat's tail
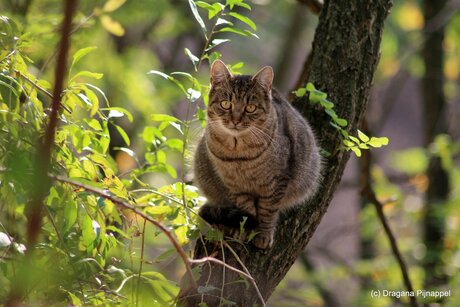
column 228, row 216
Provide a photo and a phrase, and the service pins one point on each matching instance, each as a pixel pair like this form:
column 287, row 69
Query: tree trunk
column 345, row 56
column 434, row 123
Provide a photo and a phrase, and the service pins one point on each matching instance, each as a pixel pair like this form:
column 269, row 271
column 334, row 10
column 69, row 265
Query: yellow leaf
column 181, row 231
column 409, row 17
column 112, row 5
column 451, row 68
column 112, row 26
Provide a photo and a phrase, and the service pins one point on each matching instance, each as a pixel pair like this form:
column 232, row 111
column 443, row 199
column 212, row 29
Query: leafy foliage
column 89, row 246
column 355, row 144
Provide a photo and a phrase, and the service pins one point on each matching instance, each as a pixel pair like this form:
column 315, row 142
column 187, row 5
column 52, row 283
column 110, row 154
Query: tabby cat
column 257, row 157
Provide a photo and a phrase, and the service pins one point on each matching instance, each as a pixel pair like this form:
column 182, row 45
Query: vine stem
column 125, row 205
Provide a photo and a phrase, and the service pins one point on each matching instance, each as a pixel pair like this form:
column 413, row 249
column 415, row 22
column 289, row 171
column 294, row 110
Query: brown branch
column 41, row 180
column 315, row 6
column 125, row 205
column 369, row 193
column 34, row 208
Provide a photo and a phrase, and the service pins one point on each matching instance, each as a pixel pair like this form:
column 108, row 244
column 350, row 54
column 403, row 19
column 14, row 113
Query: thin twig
column 38, row 87
column 215, row 260
column 125, row 205
column 247, row 272
column 369, row 193
column 141, row 262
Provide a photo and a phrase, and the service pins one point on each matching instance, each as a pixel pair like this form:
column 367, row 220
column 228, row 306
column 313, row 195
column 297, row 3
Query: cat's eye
column 225, row 104
column 250, row 108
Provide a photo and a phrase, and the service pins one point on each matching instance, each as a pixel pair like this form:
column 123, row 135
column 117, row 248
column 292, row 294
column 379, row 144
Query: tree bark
column 345, row 56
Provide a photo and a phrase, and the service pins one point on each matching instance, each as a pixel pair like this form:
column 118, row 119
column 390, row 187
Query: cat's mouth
column 234, row 127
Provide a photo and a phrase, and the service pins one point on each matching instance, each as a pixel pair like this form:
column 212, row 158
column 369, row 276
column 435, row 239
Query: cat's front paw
column 263, row 240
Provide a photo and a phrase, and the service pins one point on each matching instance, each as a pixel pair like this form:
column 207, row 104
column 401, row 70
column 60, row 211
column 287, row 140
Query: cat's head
column 238, row 102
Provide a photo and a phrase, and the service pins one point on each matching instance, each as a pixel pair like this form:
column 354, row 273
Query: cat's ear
column 219, row 72
column 265, row 77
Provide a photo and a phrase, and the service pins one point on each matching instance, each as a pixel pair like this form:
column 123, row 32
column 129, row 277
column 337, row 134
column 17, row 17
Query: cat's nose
column 236, row 121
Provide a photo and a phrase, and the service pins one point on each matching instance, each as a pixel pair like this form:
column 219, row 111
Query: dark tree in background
column 435, row 122
column 344, row 57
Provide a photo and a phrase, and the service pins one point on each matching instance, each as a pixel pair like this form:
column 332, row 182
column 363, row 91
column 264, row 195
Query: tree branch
column 369, row 193
column 44, row 155
column 350, row 31
column 34, row 208
column 125, row 205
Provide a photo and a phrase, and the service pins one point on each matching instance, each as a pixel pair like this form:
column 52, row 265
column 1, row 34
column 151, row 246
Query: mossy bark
column 344, row 59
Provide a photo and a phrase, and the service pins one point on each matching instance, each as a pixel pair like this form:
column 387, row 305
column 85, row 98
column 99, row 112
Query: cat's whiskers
column 262, row 134
column 255, row 138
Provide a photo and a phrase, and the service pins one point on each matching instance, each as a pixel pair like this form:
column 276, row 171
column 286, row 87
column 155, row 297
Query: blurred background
column 415, row 103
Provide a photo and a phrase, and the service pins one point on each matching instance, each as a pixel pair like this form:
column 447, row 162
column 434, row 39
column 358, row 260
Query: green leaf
column 93, row 123
column 216, row 42
column 217, row 7
column 310, row 87
column 192, row 57
column 213, row 9
column 123, row 134
column 244, row 19
column 88, row 74
column 234, row 30
column 341, row 122
column 411, row 161
column 204, row 5
column 159, row 73
column 363, row 137
column 213, row 56
column 167, row 77
column 332, row 114
column 378, row 142
column 356, row 150
column 300, row 92
column 176, row 144
column 171, row 171
column 348, row 143
column 222, row 21
column 159, row 210
column 326, row 103
column 344, row 133
column 316, row 96
column 164, row 118
column 354, row 139
column 118, row 112
column 80, row 54
column 197, row 16
column 70, row 214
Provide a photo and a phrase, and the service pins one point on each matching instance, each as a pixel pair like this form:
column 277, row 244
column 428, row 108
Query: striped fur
column 254, row 163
